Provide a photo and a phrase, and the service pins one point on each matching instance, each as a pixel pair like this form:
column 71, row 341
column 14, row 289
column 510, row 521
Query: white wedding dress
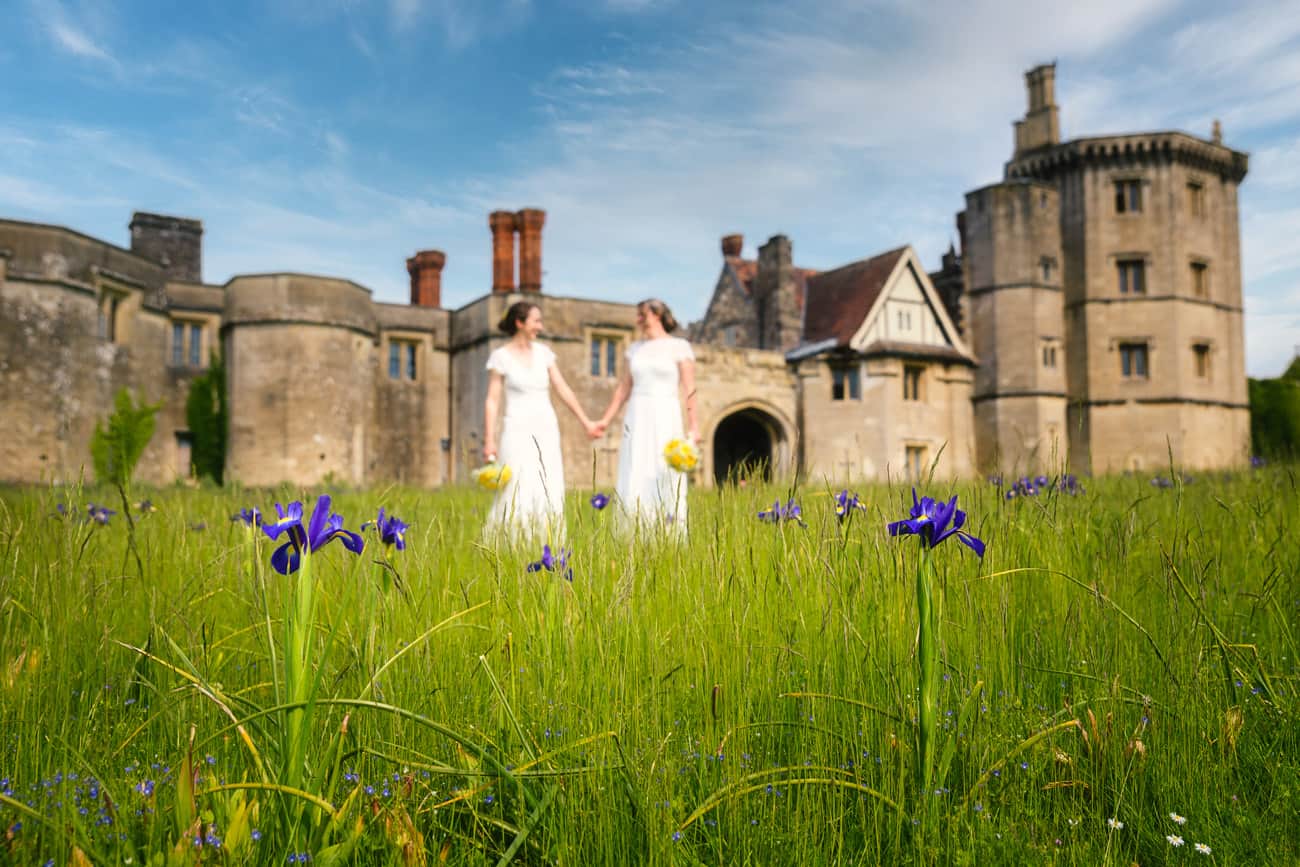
column 531, row 504
column 652, row 495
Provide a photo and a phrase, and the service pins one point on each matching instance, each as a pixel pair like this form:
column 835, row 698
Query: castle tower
column 300, row 378
column 1150, row 273
column 1011, row 271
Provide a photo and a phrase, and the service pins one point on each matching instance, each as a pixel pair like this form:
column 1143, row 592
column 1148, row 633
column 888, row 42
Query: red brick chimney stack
column 425, row 268
column 529, row 221
column 503, row 251
column 732, row 245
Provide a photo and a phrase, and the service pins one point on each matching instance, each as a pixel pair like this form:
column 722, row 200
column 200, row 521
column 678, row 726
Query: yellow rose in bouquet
column 492, row 476
column 681, row 455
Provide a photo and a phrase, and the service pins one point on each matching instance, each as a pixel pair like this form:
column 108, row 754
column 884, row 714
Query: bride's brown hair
column 660, row 309
column 515, row 314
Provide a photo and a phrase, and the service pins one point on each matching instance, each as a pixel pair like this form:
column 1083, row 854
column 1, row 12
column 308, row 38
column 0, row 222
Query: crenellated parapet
column 1137, row 149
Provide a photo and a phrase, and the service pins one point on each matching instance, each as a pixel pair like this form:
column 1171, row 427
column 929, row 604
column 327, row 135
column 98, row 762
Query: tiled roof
column 839, row 300
column 746, row 271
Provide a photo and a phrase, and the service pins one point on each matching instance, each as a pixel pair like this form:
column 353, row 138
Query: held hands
column 596, row 429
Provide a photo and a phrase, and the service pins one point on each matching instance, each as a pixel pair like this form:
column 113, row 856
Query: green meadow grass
column 745, row 697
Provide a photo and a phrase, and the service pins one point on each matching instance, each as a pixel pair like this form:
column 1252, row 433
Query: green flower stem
column 298, row 676
column 927, row 703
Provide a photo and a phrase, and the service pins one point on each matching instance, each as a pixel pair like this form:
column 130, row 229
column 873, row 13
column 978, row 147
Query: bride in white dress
column 531, row 503
column 659, row 376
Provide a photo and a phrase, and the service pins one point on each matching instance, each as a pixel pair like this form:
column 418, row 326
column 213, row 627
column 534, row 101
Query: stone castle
column 1092, row 319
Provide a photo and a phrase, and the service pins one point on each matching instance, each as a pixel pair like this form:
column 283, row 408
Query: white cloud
column 73, row 37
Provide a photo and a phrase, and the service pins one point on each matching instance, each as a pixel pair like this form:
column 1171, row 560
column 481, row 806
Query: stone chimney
column 1216, row 132
column 529, row 221
column 732, row 245
column 503, row 251
column 175, row 243
column 1042, row 125
column 777, row 306
column 425, row 268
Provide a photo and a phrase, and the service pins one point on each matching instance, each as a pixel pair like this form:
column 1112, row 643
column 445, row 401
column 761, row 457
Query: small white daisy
column 1174, row 839
column 1202, row 848
column 1181, row 820
column 1114, row 823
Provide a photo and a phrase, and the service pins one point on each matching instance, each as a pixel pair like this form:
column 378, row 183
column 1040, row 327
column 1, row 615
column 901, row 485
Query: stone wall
column 867, row 439
column 301, row 379
column 731, row 380
column 1012, row 264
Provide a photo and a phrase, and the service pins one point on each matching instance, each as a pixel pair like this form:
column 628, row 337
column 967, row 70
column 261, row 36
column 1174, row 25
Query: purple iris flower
column 935, row 521
column 323, row 528
column 778, row 513
column 390, row 529
column 1025, row 487
column 1069, row 483
column 99, row 514
column 251, row 517
column 1257, row 462
column 846, row 504
column 599, row 501
column 554, row 561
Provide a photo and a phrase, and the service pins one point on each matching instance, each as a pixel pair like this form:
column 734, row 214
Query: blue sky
column 340, row 136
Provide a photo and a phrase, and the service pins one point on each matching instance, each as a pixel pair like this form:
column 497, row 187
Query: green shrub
column 117, row 444
column 206, row 416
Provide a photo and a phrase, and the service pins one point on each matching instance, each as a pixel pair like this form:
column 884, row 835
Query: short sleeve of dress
column 545, row 355
column 683, row 351
column 497, row 361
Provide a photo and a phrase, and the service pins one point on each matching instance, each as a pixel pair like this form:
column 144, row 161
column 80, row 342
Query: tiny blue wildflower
column 778, row 513
column 256, row 835
column 677, row 835
column 99, row 514
column 557, row 561
column 846, row 504
column 251, row 517
column 599, row 501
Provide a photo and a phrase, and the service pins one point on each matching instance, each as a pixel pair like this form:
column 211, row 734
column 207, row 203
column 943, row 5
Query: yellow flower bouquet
column 492, row 476
column 681, row 455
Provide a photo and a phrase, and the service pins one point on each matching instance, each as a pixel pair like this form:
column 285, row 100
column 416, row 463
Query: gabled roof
column 839, row 300
column 746, row 272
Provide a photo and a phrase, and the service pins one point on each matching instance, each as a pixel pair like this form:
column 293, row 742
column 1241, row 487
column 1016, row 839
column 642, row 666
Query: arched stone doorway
column 748, row 444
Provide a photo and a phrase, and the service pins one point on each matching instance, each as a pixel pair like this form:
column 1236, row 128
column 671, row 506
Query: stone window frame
column 913, row 383
column 1135, row 355
column 846, row 381
column 1124, row 185
column 186, row 345
column 1050, row 351
column 1122, row 261
column 1048, row 269
column 409, row 346
column 1196, row 198
column 1201, row 276
column 1203, row 358
column 113, row 325
column 613, row 347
